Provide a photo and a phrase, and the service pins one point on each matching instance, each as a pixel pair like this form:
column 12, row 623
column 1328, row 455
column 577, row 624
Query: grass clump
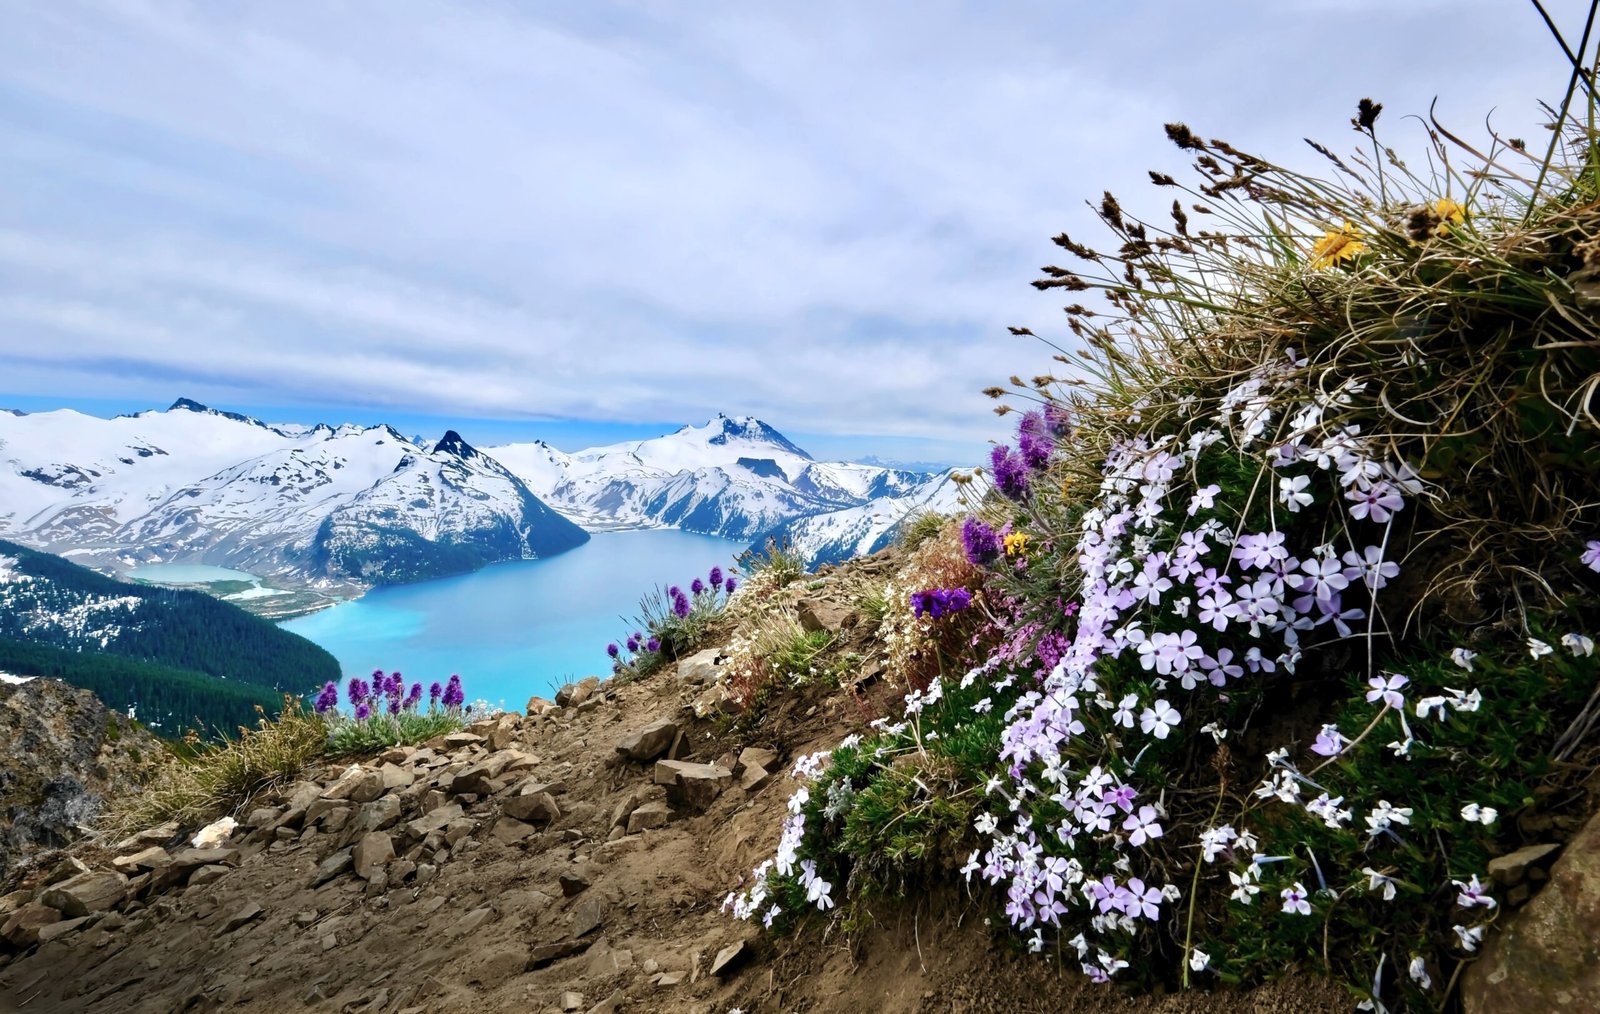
column 1277, row 627
column 223, row 776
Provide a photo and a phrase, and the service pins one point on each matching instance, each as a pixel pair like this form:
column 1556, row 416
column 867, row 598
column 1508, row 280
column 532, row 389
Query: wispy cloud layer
column 824, row 214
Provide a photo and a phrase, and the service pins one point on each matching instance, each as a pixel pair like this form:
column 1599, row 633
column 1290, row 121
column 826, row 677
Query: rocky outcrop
column 62, row 754
column 1545, row 957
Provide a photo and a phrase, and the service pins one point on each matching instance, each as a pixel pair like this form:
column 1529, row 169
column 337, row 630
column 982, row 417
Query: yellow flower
column 1016, row 544
column 1448, row 212
column 1335, row 246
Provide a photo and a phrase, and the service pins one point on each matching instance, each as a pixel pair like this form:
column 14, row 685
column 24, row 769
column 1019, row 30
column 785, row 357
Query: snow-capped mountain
column 732, row 477
column 856, row 531
column 436, row 510
column 365, row 504
column 308, row 503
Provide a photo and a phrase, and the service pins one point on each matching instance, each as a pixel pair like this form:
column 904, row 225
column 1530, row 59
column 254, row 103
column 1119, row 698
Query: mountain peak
column 748, row 427
column 190, row 405
column 451, row 443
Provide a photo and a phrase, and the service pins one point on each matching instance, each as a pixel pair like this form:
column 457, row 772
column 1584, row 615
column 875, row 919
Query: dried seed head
column 1161, row 179
column 1366, row 115
column 1183, row 137
column 1111, row 211
column 995, row 392
column 1180, row 220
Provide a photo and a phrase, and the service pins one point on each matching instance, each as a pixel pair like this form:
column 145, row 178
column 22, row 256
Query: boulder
column 573, row 882
column 537, row 706
column 505, row 731
column 510, row 831
column 690, row 785
column 1509, row 870
column 759, row 756
column 461, row 740
column 62, row 928
column 379, row 814
column 650, row 742
column 755, row 778
column 821, row 614
column 574, row 694
column 649, row 817
column 537, row 807
column 699, row 668
column 207, row 874
column 23, row 926
column 153, row 858
column 86, row 893
column 249, row 912
column 371, row 854
column 728, row 958
column 548, row 954
column 1547, row 956
column 435, row 819
column 588, row 915
column 396, row 777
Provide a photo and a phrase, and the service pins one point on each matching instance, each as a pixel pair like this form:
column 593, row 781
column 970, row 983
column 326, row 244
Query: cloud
column 825, row 214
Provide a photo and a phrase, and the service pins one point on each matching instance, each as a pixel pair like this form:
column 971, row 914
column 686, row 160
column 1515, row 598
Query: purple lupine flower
column 1035, row 449
column 397, row 683
column 730, row 585
column 434, row 692
column 653, row 645
column 415, row 697
column 697, row 586
column 363, row 712
column 680, row 605
column 394, row 704
column 453, row 695
column 1010, row 473
column 357, row 690
column 673, row 591
column 980, row 542
column 1058, row 421
column 328, row 699
column 611, row 649
column 936, row 602
column 633, row 645
column 716, row 576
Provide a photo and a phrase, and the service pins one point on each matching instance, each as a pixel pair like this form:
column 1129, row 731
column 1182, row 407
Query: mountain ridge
column 344, row 506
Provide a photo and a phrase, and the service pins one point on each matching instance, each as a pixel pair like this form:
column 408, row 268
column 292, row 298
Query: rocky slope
column 62, row 754
column 570, row 859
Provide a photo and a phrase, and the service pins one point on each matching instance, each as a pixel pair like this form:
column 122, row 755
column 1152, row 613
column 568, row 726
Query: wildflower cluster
column 1215, row 716
column 671, row 622
column 384, row 712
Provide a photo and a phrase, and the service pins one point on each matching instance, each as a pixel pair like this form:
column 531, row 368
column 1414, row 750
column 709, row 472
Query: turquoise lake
column 514, row 629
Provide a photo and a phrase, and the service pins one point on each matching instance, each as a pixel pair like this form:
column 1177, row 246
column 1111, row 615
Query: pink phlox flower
column 1590, row 557
column 1329, row 742
column 1142, row 901
column 1144, row 826
column 1472, row 893
column 1294, row 899
column 1377, row 502
column 1387, row 689
column 1121, row 797
column 1159, row 720
column 1205, row 497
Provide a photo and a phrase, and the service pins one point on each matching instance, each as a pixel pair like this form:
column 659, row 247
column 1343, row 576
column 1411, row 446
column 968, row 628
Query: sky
column 591, row 221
